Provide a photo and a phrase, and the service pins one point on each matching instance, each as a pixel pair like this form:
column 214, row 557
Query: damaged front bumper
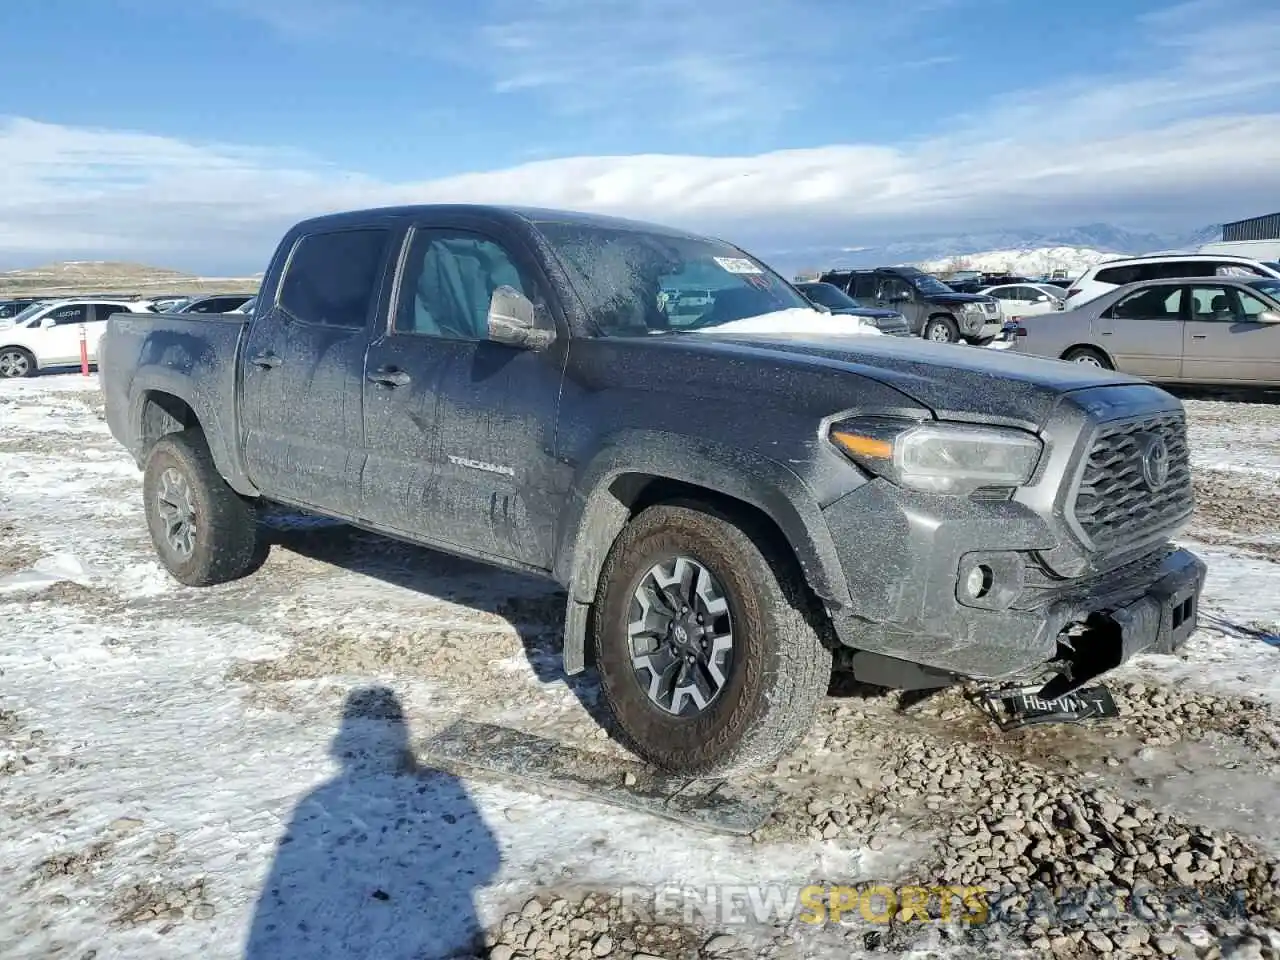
column 912, row 623
column 1112, row 629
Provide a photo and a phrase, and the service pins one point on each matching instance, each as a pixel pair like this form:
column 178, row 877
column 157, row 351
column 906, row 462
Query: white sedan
column 48, row 334
column 1027, row 299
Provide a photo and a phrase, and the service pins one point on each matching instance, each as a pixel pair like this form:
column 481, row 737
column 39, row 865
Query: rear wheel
column 941, row 330
column 706, row 643
column 1087, row 356
column 203, row 531
column 16, row 362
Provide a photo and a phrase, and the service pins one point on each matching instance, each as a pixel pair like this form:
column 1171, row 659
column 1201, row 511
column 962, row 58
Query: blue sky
column 779, row 121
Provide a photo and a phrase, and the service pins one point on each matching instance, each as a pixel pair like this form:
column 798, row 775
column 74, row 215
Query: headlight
column 935, row 457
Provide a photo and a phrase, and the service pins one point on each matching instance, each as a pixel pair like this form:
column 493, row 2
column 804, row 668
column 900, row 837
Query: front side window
column 1213, row 304
column 893, row 289
column 332, row 278
column 1154, row 303
column 1250, row 306
column 628, row 280
column 449, row 279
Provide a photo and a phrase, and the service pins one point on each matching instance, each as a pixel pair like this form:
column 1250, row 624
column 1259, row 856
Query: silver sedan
column 1218, row 330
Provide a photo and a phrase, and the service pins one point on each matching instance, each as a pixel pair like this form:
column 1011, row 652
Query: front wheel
column 941, row 330
column 1088, row 357
column 16, row 362
column 203, row 531
column 707, row 643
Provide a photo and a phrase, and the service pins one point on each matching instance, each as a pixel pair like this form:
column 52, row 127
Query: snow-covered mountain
column 1082, row 245
column 1038, row 262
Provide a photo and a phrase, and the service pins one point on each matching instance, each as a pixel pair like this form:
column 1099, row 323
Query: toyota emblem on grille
column 1155, row 462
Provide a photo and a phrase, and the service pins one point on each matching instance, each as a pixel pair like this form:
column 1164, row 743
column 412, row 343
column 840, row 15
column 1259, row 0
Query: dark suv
column 933, row 309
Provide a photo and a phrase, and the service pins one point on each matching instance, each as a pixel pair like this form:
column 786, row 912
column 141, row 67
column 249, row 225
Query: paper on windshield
column 796, row 321
column 737, row 265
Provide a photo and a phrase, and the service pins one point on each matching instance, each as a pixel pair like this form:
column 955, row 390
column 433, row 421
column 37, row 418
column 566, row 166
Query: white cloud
column 1183, row 137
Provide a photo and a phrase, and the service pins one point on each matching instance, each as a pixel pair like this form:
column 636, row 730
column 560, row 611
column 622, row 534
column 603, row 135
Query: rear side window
column 1118, row 275
column 864, row 287
column 332, row 278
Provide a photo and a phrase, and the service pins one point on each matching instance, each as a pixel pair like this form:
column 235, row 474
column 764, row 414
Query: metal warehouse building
column 1255, row 228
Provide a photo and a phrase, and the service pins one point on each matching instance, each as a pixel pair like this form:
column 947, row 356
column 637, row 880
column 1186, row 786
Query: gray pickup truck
column 736, row 502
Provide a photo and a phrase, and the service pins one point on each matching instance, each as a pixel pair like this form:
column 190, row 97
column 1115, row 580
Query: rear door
column 1224, row 342
column 303, row 387
column 460, row 430
column 97, row 326
column 1143, row 332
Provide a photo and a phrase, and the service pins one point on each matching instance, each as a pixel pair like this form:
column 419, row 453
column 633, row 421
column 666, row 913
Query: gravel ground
column 929, row 792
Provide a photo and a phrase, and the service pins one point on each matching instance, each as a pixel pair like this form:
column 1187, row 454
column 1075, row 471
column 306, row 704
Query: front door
column 894, row 293
column 1225, row 342
column 460, row 430
column 303, row 393
column 61, row 340
column 1143, row 332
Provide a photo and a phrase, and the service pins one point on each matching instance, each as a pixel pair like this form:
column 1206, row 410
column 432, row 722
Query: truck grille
column 1114, row 504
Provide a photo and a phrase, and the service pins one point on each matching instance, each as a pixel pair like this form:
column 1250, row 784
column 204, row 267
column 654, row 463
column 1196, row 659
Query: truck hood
column 955, row 381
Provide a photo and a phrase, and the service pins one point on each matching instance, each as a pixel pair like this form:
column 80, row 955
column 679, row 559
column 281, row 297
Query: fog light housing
column 990, row 581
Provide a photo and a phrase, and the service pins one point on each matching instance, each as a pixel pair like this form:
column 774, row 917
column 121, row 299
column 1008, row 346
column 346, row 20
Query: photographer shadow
column 382, row 861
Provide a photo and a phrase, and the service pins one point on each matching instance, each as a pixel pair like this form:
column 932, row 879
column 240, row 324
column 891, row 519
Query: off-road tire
column 24, row 353
column 943, row 323
column 781, row 669
column 1087, row 355
column 226, row 545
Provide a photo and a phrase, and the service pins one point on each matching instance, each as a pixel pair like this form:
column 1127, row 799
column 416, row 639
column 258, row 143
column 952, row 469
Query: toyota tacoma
column 738, row 501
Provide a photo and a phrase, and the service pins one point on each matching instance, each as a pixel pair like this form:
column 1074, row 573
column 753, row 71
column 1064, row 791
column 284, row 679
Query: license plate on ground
column 1015, row 708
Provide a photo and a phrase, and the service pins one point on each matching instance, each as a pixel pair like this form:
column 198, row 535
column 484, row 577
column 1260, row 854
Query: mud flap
column 512, row 754
column 1011, row 709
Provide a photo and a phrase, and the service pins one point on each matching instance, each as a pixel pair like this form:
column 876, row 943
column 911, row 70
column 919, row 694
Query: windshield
column 926, row 283
column 1268, row 285
column 635, row 283
column 27, row 314
column 829, row 296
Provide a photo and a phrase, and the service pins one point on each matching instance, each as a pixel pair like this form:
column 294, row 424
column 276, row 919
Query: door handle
column 390, row 377
column 1199, row 336
column 267, row 361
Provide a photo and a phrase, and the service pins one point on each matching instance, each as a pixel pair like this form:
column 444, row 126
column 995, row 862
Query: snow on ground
column 221, row 773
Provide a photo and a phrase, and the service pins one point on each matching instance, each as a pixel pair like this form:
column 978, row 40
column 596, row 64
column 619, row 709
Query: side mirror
column 513, row 320
column 1269, row 316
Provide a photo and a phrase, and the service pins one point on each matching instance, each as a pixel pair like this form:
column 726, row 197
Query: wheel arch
column 35, row 360
column 1092, row 348
column 161, row 405
column 644, row 470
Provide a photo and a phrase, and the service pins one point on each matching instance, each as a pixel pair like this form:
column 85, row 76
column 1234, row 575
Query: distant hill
column 71, row 277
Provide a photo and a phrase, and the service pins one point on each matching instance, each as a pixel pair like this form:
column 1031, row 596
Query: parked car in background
column 246, row 307
column 1222, row 330
column 11, row 308
column 837, row 301
column 933, row 309
column 48, row 334
column 168, row 304
column 1026, row 299
column 1104, row 277
column 214, row 303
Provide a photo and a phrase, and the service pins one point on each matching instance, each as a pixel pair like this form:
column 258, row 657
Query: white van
column 48, row 334
column 1107, row 276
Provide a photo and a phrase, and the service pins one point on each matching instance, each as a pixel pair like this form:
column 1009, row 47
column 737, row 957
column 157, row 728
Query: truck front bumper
column 954, row 585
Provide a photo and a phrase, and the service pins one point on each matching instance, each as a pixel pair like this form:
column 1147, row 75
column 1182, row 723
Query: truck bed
column 193, row 357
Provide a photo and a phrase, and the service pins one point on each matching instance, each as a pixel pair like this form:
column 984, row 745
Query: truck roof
column 498, row 212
